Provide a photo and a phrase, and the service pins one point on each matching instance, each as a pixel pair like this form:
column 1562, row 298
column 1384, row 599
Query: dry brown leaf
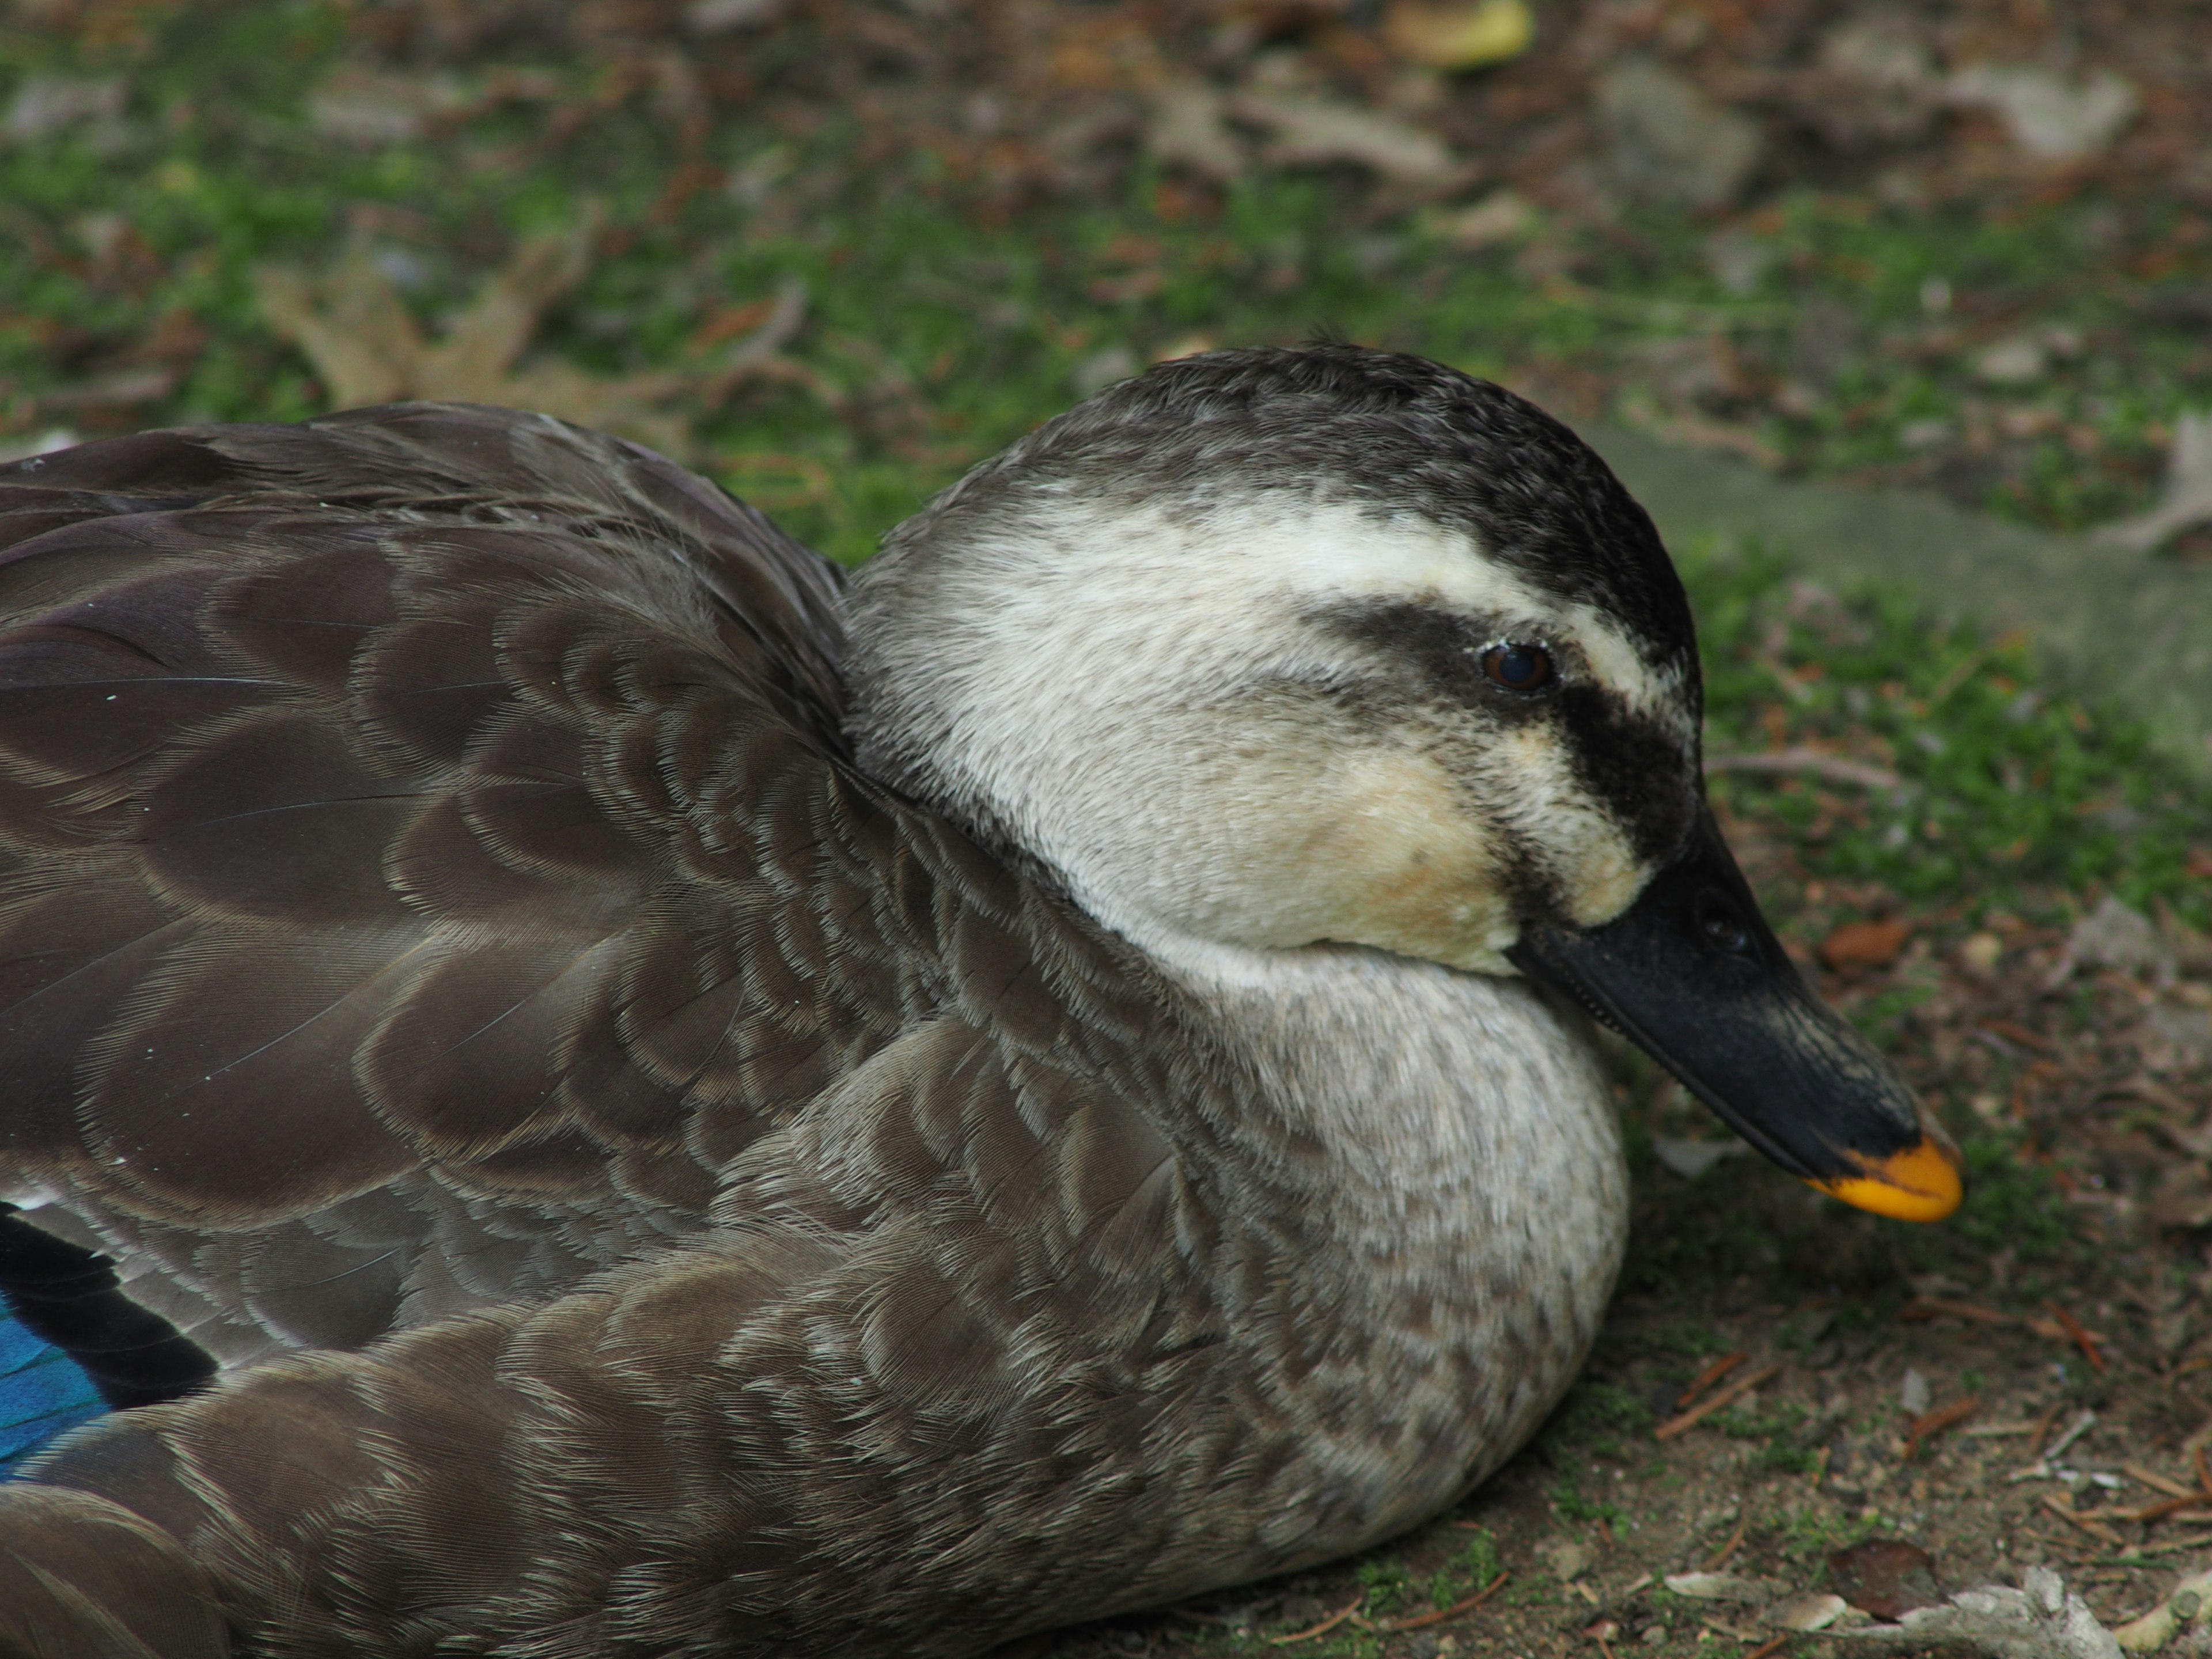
column 1865, row 943
column 1458, row 36
column 361, row 106
column 1188, row 127
column 1306, row 130
column 352, row 327
column 2188, row 502
column 368, row 348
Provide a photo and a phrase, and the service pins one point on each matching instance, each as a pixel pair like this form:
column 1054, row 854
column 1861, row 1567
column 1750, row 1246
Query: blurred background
column 1942, row 271
column 833, row 250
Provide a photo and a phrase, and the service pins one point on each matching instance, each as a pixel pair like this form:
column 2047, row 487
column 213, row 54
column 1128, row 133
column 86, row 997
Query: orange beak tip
column 1921, row 1183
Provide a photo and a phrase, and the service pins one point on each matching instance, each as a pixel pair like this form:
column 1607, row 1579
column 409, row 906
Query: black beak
column 1694, row 975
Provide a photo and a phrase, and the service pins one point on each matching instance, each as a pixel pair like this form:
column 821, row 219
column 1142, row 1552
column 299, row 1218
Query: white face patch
column 1150, row 702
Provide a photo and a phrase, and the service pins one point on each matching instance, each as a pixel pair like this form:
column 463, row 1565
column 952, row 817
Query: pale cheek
column 1591, row 862
column 1408, row 869
column 1607, row 881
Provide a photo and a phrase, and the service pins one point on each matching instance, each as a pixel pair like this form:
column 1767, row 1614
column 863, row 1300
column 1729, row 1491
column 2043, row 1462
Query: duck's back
column 430, row 858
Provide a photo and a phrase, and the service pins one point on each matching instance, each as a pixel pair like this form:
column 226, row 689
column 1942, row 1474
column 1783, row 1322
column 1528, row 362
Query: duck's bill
column 1694, row 975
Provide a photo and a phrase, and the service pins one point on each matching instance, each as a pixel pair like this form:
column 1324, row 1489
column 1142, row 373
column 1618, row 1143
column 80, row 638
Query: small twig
column 1957, row 676
column 1728, row 1397
column 1790, row 762
column 2165, row 1506
column 753, row 353
column 1928, row 1424
column 1705, row 1378
column 2083, row 1422
column 1766, row 1648
column 2176, row 1545
column 2013, row 1032
column 2158, row 1482
column 2204, row 1469
column 1923, row 1308
column 1736, row 1540
column 2042, row 1432
column 2065, row 1511
column 2080, row 1336
column 1466, row 1605
column 1326, row 1625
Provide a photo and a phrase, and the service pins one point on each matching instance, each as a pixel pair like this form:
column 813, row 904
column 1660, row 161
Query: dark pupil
column 1518, row 667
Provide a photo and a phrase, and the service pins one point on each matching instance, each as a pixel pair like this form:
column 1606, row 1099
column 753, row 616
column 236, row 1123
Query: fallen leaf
column 367, row 107
column 1460, row 37
column 124, row 389
column 368, row 348
column 723, row 16
column 1568, row 1558
column 2188, row 493
column 1503, row 216
column 1667, row 141
column 1914, row 1393
column 1691, row 1159
column 1815, row 1610
column 2050, row 116
column 47, row 104
column 2183, row 1197
column 2117, row 935
column 1717, row 1587
column 2039, row 1621
column 1885, row 1577
column 352, row 326
column 1307, row 132
column 1865, row 943
column 1188, row 127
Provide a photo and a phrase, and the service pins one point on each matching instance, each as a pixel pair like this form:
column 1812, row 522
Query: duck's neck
column 1433, row 1105
column 1448, row 1145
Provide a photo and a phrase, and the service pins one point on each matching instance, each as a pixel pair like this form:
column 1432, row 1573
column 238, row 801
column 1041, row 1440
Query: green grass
column 2010, row 1204
column 919, row 277
column 1386, row 1581
column 1476, row 1568
column 1568, row 1499
column 2005, row 783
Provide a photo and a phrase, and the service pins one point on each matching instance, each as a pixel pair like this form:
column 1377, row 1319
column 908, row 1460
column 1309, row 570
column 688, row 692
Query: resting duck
column 689, row 1108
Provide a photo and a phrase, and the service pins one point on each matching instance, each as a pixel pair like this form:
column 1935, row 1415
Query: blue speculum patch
column 42, row 1393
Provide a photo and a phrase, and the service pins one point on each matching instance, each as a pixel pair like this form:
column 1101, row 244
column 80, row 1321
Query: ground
column 831, row 252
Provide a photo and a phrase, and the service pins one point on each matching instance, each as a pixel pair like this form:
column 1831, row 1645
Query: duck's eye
column 1518, row 667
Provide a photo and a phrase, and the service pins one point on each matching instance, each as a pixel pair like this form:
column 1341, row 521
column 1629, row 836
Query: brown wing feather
column 436, row 802
column 963, row 1377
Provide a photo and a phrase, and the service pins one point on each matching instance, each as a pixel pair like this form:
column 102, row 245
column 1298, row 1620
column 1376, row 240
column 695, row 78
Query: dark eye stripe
column 1635, row 765
column 1629, row 761
column 1453, row 655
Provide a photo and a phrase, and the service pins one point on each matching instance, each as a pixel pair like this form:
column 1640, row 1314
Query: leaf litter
column 367, row 347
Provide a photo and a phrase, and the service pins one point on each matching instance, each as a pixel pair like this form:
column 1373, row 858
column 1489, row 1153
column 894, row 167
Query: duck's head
column 1269, row 650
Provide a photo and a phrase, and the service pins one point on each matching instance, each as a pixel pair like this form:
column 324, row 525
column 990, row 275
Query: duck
column 585, row 1083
